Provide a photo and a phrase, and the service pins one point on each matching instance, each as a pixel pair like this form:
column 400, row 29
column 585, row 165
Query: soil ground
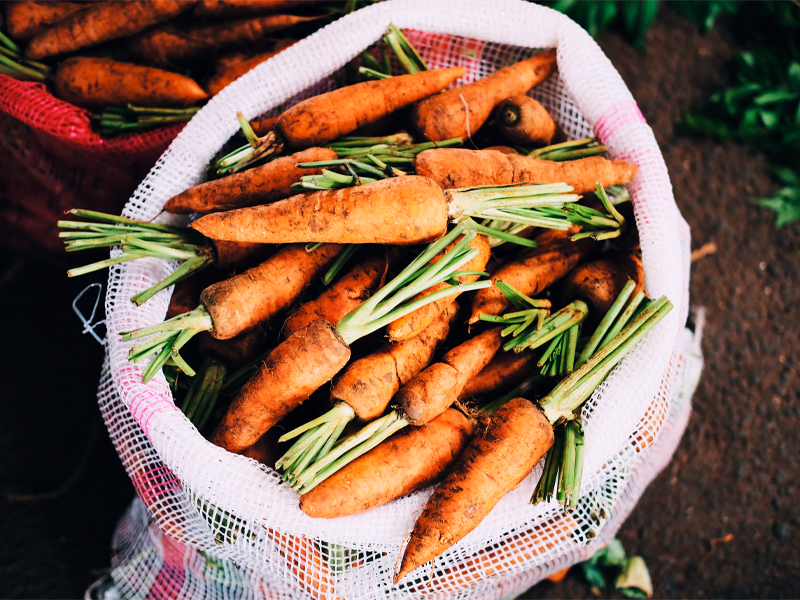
column 735, row 472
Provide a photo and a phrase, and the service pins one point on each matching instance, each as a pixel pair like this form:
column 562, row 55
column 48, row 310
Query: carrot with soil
column 27, row 19
column 313, row 355
column 460, row 112
column 523, row 121
column 228, row 71
column 100, row 82
column 234, row 305
column 101, row 22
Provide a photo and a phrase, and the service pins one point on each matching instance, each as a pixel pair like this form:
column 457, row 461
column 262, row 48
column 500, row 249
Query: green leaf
column 786, row 204
column 613, row 555
column 630, row 15
column 593, row 574
column 768, row 117
column 794, row 74
column 786, row 175
column 632, row 592
column 774, row 97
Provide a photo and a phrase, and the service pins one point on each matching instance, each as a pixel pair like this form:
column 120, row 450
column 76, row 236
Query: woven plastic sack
column 51, row 160
column 235, row 509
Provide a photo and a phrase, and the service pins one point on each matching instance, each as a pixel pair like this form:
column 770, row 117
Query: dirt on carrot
column 27, row 19
column 506, row 370
column 226, row 72
column 522, row 120
column 600, row 281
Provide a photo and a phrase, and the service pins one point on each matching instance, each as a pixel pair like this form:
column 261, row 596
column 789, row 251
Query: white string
column 87, row 323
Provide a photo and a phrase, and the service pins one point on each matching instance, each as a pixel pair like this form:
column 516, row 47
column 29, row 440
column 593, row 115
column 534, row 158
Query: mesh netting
column 212, row 503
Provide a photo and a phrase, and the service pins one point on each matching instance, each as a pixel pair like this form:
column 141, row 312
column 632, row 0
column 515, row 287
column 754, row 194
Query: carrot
column 259, row 185
column 558, row 576
column 236, row 351
column 227, row 72
column 236, row 8
column 264, row 126
column 230, row 256
column 600, row 281
column 432, row 391
column 505, row 371
column 398, row 210
column 531, row 274
column 368, row 384
column 100, row 82
column 461, row 111
column 522, row 120
column 494, row 463
column 321, row 119
column 178, row 43
column 345, row 295
column 413, row 324
column 459, row 168
column 27, row 19
column 186, row 293
column 408, row 461
column 265, row 450
column 102, row 22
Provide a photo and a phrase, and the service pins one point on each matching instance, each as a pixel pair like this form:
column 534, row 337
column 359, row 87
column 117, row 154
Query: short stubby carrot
column 401, row 210
column 345, row 294
column 414, row 323
column 177, row 43
column 369, row 384
column 321, row 119
column 101, row 22
column 494, row 463
column 245, row 300
column 406, row 462
column 531, row 274
column 461, row 111
column 101, row 82
column 432, row 392
column 601, row 280
column 292, row 372
column 259, row 185
column 506, row 370
column 460, row 168
column 522, row 120
column 27, row 19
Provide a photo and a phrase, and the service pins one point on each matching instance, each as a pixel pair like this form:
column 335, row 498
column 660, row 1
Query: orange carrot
column 265, row 450
column 345, row 295
column 227, row 72
column 293, row 372
column 461, row 111
column 431, row 392
column 522, row 120
column 236, row 351
column 27, row 19
column 459, row 168
column 414, row 323
column 531, row 274
column 178, row 43
column 368, row 384
column 100, row 82
column 245, row 300
column 230, row 256
column 494, row 463
column 101, row 22
column 506, row 370
column 237, row 8
column 321, row 119
column 263, row 126
column 400, row 210
column 558, row 576
column 600, row 281
column 398, row 466
column 259, row 185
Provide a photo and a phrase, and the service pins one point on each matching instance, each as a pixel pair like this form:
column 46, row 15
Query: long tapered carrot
column 321, row 119
column 601, row 280
column 402, row 210
column 411, row 325
column 522, row 120
column 345, row 295
column 432, row 391
column 100, row 82
column 494, row 463
column 536, row 270
column 398, row 466
column 27, row 19
column 176, row 43
column 242, row 301
column 226, row 72
column 506, row 370
column 293, row 372
column 462, row 111
column 259, row 185
column 458, row 168
column 370, row 383
column 102, row 22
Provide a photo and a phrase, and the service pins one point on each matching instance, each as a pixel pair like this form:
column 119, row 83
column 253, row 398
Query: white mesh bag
column 211, row 503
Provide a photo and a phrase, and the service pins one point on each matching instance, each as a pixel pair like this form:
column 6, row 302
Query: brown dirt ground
column 735, row 471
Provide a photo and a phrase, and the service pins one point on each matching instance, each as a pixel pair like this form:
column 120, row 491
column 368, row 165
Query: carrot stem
column 339, row 264
column 570, row 150
column 606, row 322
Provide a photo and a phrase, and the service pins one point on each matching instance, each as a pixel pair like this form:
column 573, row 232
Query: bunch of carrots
column 463, row 303
column 141, row 64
